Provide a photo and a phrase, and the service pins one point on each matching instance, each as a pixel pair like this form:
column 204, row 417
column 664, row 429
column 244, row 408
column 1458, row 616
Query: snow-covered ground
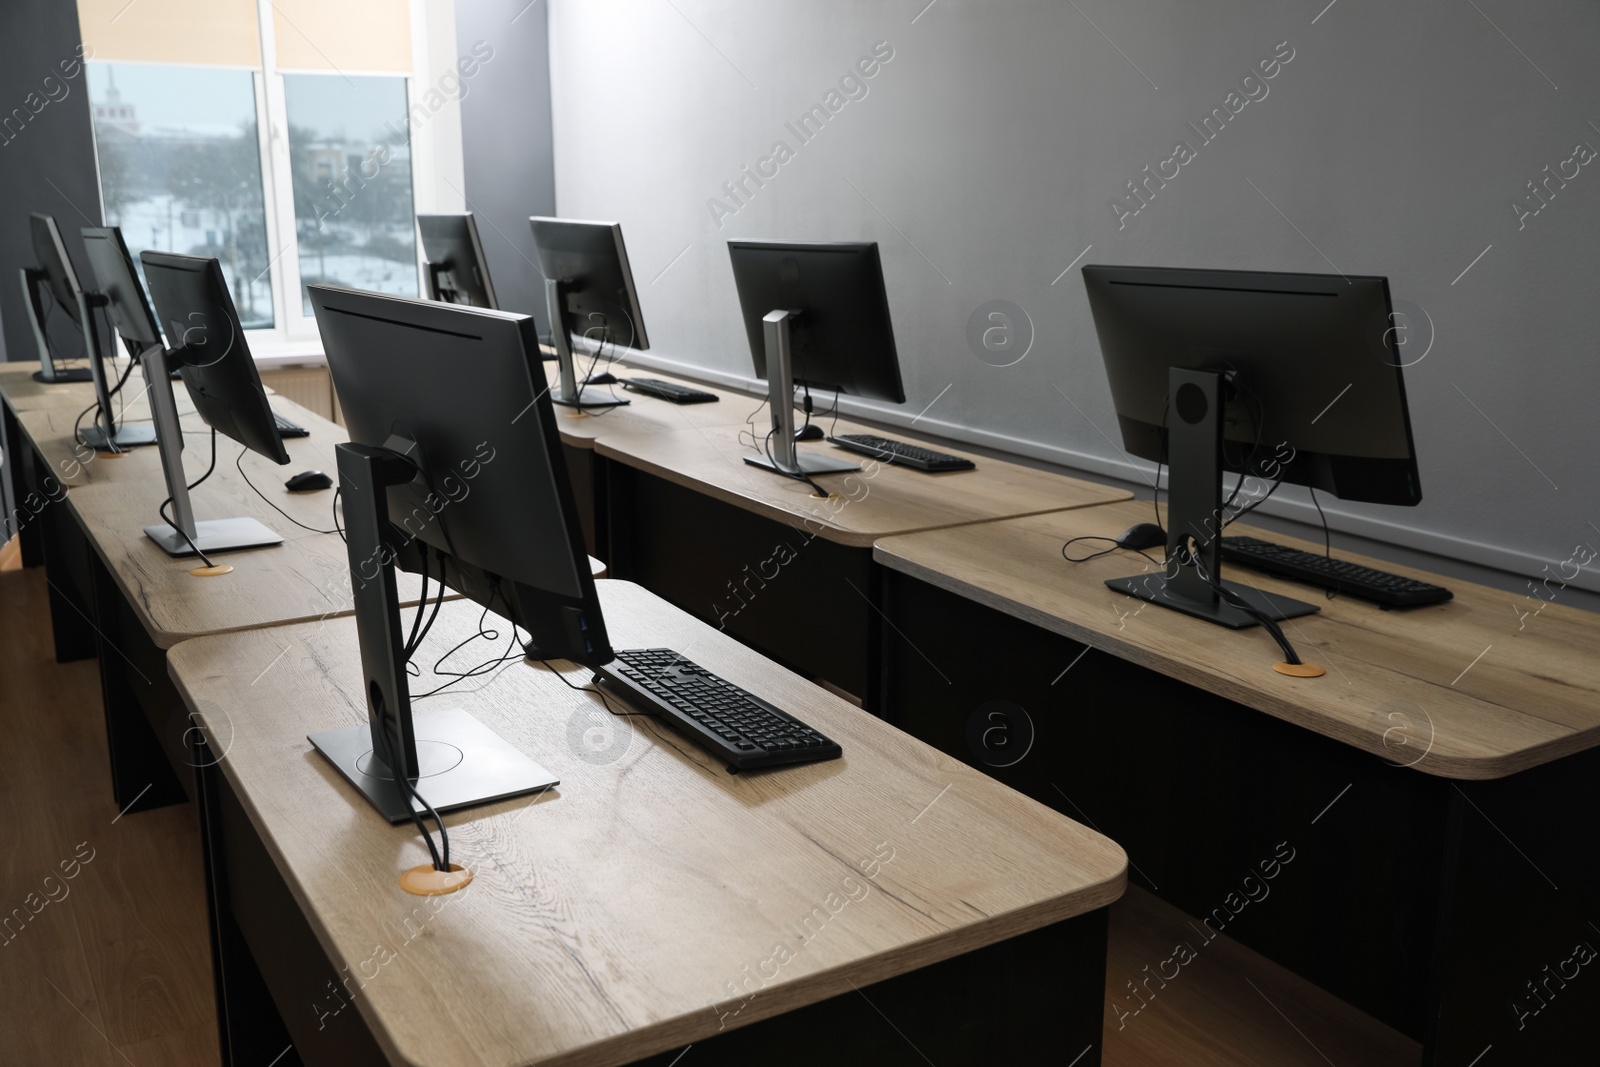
column 163, row 222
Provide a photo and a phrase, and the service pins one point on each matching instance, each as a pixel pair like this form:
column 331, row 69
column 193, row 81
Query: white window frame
column 436, row 167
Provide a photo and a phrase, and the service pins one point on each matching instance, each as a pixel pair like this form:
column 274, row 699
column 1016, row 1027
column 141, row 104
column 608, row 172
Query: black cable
column 1103, row 552
column 597, row 691
column 111, row 443
column 1155, row 497
column 338, row 529
column 486, row 666
column 1327, row 544
column 800, row 476
column 1327, row 538
column 1268, row 623
column 162, row 510
column 1248, row 508
column 439, row 864
column 239, row 463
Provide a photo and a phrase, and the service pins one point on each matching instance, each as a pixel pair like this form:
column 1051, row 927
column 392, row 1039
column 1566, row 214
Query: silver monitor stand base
column 463, row 764
column 125, row 437
column 808, row 462
column 214, row 535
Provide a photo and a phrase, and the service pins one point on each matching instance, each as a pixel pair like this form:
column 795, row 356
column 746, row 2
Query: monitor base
column 125, row 437
column 1153, row 588
column 463, row 763
column 214, row 535
column 61, row 377
column 809, row 463
column 586, row 403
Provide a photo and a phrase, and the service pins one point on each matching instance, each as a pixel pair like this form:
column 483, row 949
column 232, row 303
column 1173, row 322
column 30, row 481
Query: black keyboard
column 678, row 394
column 289, row 429
column 900, row 453
column 716, row 715
column 1381, row 587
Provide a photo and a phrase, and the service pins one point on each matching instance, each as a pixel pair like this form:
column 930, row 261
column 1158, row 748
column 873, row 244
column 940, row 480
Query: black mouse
column 308, row 482
column 1142, row 535
column 603, row 378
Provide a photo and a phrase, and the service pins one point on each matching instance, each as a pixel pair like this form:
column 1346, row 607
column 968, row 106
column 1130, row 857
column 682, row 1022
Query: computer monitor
column 1262, row 373
column 459, row 477
column 191, row 296
column 815, row 314
column 115, row 287
column 589, row 293
column 54, row 272
column 458, row 273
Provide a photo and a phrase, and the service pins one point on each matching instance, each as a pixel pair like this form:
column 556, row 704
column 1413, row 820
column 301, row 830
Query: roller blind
column 212, row 32
column 348, row 36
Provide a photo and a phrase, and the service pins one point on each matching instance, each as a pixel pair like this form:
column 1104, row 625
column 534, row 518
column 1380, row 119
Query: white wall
column 987, row 153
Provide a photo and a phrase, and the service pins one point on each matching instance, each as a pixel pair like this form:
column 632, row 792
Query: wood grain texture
column 1227, row 1007
column 616, row 915
column 647, row 414
column 114, row 499
column 25, row 394
column 1464, row 690
column 877, row 501
column 115, row 968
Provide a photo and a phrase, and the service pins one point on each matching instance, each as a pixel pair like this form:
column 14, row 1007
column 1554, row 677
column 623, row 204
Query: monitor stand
column 452, row 759
column 781, row 454
column 1194, row 510
column 105, row 435
column 209, row 535
column 566, row 392
column 48, row 372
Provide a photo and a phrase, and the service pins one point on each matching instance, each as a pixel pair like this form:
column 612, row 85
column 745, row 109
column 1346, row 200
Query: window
column 281, row 137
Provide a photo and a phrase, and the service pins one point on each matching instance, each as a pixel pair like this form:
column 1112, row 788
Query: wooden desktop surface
column 647, row 414
column 877, row 501
column 22, row 393
column 609, row 916
column 306, row 577
column 1464, row 690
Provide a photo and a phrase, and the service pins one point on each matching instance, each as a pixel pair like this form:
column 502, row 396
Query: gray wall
column 46, row 159
column 505, row 135
column 986, row 156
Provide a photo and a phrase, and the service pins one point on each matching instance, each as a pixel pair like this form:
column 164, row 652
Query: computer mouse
column 1142, row 535
column 603, row 378
column 308, row 482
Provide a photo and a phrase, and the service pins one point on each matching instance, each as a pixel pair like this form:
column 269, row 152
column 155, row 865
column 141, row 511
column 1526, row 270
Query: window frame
column 434, row 158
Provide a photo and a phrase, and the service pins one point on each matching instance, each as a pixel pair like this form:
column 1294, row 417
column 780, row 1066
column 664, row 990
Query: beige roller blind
column 348, row 35
column 216, row 32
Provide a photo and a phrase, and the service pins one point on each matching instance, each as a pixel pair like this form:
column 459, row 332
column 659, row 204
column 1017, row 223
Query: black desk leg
column 16, row 463
column 1517, row 971
column 141, row 775
column 65, row 553
column 1034, row 999
column 249, row 1029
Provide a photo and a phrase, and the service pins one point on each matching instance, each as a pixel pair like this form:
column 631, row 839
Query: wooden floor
column 116, row 969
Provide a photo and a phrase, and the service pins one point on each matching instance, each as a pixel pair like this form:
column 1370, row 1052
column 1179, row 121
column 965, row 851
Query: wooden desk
column 644, row 415
column 615, row 917
column 114, row 594
column 789, row 573
column 1434, row 780
column 25, row 394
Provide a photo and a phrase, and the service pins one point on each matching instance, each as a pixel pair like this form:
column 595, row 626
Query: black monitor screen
column 115, row 278
column 192, row 299
column 842, row 338
column 1314, row 363
column 452, row 247
column 51, row 253
column 590, row 260
column 493, row 494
